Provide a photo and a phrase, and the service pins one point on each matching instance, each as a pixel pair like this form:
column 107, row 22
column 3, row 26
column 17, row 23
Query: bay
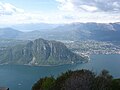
column 21, row 77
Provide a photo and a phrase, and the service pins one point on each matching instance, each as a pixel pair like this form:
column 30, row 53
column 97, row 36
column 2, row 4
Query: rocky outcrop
column 40, row 52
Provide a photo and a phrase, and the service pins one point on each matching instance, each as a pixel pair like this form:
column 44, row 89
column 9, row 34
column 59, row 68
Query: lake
column 19, row 77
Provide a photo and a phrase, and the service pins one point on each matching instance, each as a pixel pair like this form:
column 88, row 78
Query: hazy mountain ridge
column 9, row 33
column 94, row 31
column 34, row 26
column 73, row 31
column 39, row 52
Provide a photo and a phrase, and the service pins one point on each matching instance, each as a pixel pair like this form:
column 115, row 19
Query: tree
column 116, row 84
column 103, row 81
column 46, row 83
column 79, row 80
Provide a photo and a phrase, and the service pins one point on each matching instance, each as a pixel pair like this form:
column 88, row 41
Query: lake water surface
column 18, row 77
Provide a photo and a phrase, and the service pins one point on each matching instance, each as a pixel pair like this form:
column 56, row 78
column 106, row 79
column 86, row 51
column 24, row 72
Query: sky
column 59, row 11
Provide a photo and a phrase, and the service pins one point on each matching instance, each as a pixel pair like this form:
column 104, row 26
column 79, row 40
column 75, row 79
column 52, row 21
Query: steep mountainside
column 39, row 52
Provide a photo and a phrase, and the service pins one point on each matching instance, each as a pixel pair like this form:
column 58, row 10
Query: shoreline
column 45, row 65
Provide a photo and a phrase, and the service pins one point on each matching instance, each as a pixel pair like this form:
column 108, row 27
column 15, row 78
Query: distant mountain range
column 39, row 52
column 34, row 26
column 17, row 47
column 74, row 31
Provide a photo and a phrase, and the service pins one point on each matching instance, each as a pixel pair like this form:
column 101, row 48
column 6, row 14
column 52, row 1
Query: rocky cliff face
column 39, row 52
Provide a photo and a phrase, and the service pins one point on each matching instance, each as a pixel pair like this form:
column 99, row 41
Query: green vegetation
column 79, row 80
column 38, row 52
column 44, row 84
column 116, row 84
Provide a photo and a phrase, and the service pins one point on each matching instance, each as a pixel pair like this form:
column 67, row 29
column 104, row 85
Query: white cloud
column 68, row 11
column 102, row 11
column 65, row 6
column 9, row 14
column 91, row 5
column 9, row 9
column 88, row 8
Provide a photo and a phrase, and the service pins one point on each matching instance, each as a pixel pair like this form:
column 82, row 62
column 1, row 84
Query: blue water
column 23, row 77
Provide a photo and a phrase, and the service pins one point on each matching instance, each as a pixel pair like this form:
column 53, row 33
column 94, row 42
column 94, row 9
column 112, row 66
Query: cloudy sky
column 59, row 11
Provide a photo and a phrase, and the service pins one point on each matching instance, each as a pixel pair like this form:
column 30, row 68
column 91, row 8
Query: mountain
column 85, row 31
column 11, row 42
column 39, row 52
column 9, row 33
column 34, row 26
column 73, row 31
